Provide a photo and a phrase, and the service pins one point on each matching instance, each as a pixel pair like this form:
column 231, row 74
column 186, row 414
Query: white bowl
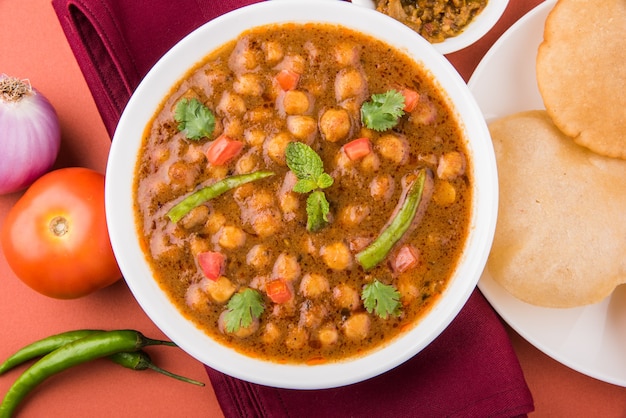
column 121, row 221
column 472, row 33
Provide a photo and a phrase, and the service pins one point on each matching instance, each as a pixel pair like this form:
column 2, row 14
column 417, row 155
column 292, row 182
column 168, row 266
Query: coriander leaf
column 242, row 309
column 381, row 298
column 383, row 111
column 304, row 161
column 317, row 209
column 324, row 181
column 305, row 186
column 194, row 119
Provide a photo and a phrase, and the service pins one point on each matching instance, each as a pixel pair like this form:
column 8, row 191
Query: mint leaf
column 383, row 111
column 242, row 309
column 324, row 181
column 382, row 299
column 317, row 209
column 194, row 119
column 304, row 161
column 305, row 186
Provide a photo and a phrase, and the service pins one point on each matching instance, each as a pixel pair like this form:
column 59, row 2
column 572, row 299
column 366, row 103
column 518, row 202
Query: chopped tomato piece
column 411, row 97
column 223, row 149
column 406, row 258
column 278, row 291
column 287, row 79
column 212, row 264
column 358, row 148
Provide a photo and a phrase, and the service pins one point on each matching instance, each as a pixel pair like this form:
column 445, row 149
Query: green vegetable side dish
column 400, row 223
column 308, row 167
column 242, row 309
column 71, row 349
column 218, row 188
column 383, row 111
column 194, row 119
column 382, row 299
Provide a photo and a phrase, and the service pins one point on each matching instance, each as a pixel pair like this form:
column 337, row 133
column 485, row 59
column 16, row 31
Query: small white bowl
column 121, row 171
column 474, row 31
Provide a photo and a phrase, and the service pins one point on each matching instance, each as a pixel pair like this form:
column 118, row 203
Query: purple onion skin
column 30, row 138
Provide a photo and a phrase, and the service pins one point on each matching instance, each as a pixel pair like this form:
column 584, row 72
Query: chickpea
column 346, row 297
column 258, row 256
column 451, row 165
column 407, row 288
column 337, row 256
column 254, row 137
column 296, row 102
column 243, row 193
column 346, row 54
column 394, row 148
column 246, row 163
column 231, row 104
column 242, row 332
column 349, row 83
column 312, row 315
column 327, row 335
column 276, row 145
column 296, row 338
column 371, row 162
column 218, row 171
column 198, row 245
column 271, row 333
column 286, row 267
column 248, row 85
column 267, row 223
column 302, row 127
column 273, row 52
column 243, row 57
column 258, row 115
column 231, row 237
column 314, row 285
column 381, row 187
column 357, row 326
column 233, row 128
column 182, row 175
column 335, row 124
column 195, row 218
column 289, row 202
column 352, row 215
column 215, row 221
column 196, row 297
column 261, row 199
column 444, row 193
column 220, row 290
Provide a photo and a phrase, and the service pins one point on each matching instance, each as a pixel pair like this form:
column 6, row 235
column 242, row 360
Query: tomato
column 55, row 238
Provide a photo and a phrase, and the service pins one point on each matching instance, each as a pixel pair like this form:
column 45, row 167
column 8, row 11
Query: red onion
column 30, row 134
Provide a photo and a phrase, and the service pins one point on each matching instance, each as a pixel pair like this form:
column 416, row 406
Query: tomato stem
column 59, row 226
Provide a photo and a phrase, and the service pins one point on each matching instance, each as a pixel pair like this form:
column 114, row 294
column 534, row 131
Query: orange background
column 32, row 45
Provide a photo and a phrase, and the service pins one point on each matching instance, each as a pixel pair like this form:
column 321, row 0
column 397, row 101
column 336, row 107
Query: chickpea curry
column 303, row 194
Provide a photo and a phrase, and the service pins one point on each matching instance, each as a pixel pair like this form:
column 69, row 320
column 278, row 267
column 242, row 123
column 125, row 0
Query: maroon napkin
column 470, row 370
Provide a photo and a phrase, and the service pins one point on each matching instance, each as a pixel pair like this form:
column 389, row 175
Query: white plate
column 590, row 339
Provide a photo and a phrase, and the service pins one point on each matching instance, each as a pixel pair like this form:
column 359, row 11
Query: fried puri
column 561, row 234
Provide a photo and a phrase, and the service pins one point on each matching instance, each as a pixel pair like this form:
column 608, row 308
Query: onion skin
column 30, row 137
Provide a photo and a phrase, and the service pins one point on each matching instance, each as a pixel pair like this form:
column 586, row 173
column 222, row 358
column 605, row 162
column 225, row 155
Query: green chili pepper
column 43, row 347
column 218, row 188
column 407, row 209
column 140, row 360
column 88, row 348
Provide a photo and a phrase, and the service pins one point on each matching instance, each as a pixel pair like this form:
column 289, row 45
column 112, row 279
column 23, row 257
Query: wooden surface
column 33, row 46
